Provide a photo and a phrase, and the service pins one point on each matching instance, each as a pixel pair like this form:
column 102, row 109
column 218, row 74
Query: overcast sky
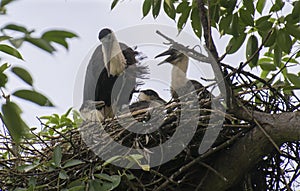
column 57, row 75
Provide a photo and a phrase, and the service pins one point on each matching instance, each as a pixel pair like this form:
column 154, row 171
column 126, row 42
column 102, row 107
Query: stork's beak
column 107, row 43
column 169, row 52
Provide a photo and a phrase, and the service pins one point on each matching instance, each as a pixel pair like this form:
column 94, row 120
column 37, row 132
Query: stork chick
column 147, row 99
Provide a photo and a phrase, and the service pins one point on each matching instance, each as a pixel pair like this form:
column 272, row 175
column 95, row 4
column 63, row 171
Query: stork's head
column 149, row 95
column 107, row 38
column 175, row 56
column 105, row 35
column 113, row 58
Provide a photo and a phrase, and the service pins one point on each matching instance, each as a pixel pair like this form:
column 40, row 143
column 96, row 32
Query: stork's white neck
column 179, row 70
column 115, row 62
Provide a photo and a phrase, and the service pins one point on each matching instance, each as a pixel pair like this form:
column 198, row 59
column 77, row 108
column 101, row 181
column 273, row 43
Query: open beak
column 169, row 53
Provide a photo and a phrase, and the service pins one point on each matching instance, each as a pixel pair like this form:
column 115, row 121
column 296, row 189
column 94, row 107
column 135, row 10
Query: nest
column 94, row 148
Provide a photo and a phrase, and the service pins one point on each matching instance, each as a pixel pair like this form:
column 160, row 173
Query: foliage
column 11, row 112
column 56, row 158
column 270, row 33
column 59, row 160
column 262, row 26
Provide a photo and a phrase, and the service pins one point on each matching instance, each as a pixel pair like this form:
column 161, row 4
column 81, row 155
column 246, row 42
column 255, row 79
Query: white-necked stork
column 112, row 73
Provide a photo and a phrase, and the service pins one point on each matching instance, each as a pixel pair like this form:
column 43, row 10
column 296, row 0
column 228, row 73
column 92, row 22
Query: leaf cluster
column 12, row 37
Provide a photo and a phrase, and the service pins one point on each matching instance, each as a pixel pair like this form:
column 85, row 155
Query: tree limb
column 232, row 163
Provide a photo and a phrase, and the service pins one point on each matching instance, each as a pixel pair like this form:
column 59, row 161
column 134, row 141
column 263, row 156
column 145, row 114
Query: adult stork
column 111, row 74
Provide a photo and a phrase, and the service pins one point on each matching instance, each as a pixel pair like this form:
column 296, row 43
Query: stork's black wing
column 94, row 68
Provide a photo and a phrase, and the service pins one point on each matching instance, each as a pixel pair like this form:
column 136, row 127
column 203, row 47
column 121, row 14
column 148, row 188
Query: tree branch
column 205, row 21
column 232, row 163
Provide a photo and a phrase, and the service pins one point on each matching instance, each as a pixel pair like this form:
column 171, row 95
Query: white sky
column 55, row 75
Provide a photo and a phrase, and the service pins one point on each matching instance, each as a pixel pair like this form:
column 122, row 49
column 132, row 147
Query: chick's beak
column 166, row 53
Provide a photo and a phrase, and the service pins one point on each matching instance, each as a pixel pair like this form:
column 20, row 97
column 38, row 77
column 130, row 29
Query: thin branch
column 205, row 21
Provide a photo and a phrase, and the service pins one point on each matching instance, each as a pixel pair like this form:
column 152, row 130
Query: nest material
column 161, row 123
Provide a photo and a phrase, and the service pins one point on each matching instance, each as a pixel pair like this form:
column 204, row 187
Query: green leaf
column 3, row 80
column 135, row 158
column 58, row 36
column 12, row 119
column 75, row 184
column 169, row 3
column 2, row 38
column 215, row 14
column 251, row 48
column 284, row 41
column 295, row 79
column 260, row 5
column 57, row 156
column 246, row 17
column 15, row 27
column 292, row 19
column 182, row 6
column 277, row 55
column 224, row 23
column 235, row 43
column 272, row 38
column 264, row 74
column 146, row 7
column 196, row 23
column 63, row 175
column 293, row 30
column 114, row 3
column 97, row 185
column 265, row 60
column 170, row 9
column 249, row 6
column 110, row 160
column 234, row 26
column 267, row 66
column 27, row 167
column 229, row 5
column 277, row 6
column 73, row 162
column 156, row 4
column 58, row 33
column 17, row 43
column 290, row 60
column 41, row 43
column 5, row 2
column 263, row 24
column 34, row 97
column 295, row 12
column 10, row 50
column 113, row 180
column 183, row 19
column 23, row 74
column 4, row 66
